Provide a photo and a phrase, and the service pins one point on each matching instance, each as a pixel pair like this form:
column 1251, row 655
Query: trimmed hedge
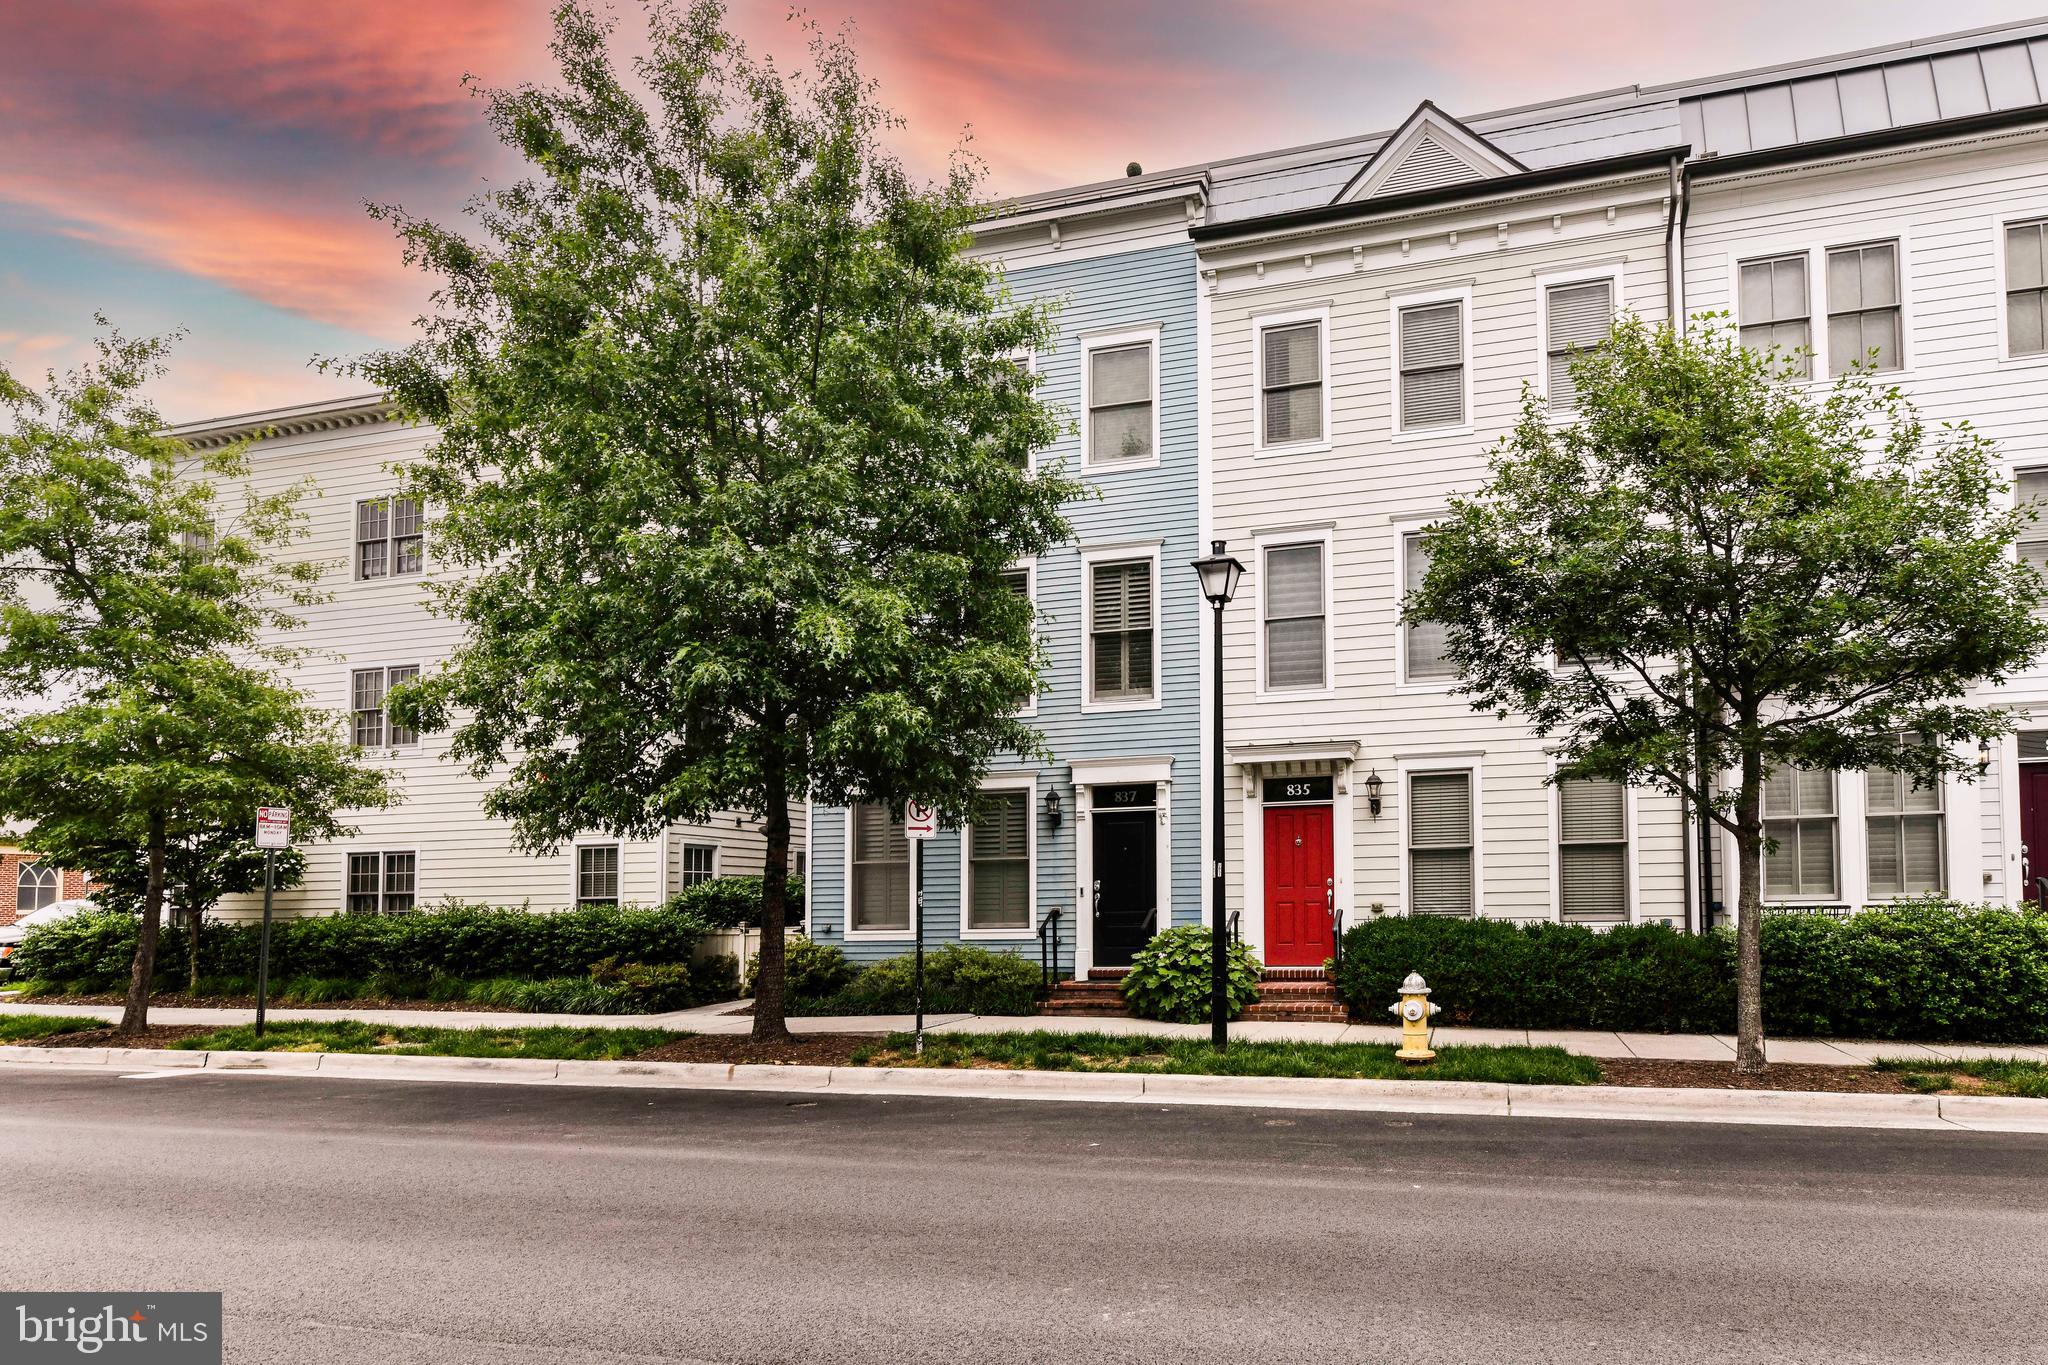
column 959, row 978
column 735, row 902
column 1930, row 970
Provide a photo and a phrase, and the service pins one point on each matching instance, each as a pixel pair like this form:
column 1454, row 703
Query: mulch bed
column 1861, row 1080
column 806, row 1049
column 159, row 1035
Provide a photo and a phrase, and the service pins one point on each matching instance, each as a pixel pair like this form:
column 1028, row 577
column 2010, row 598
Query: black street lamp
column 1219, row 574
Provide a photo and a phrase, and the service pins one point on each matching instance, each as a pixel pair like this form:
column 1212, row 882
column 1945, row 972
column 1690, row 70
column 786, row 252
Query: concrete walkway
column 721, row 1019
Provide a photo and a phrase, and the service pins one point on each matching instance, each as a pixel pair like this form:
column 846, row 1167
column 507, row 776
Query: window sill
column 1400, row 437
column 1433, row 687
column 1000, row 935
column 1298, row 448
column 879, row 935
column 1296, row 694
column 1119, row 466
column 1105, row 708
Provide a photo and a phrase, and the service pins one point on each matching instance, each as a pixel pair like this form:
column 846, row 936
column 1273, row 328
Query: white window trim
column 1028, row 358
column 1630, row 825
column 1320, row 315
column 1280, row 540
column 1998, row 229
column 384, row 851
column 1547, row 280
column 1030, row 568
column 1398, row 303
column 1105, row 554
column 348, row 691
column 682, row 869
column 1403, row 528
column 576, row 863
column 1107, row 341
column 1816, row 250
column 1028, row 784
column 355, row 546
column 1405, row 768
column 852, row 934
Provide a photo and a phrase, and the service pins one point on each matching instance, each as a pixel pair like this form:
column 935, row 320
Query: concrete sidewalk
column 721, row 1019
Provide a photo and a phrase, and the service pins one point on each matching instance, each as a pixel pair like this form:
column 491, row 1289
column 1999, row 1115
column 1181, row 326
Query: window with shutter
column 1432, row 361
column 1291, row 383
column 1863, row 307
column 2030, row 492
column 1577, row 319
column 999, row 862
column 1799, row 819
column 1905, row 834
column 1592, row 826
column 2026, row 289
column 881, row 872
column 1120, row 404
column 1775, row 311
column 1440, row 878
column 1295, row 617
column 1120, row 629
column 597, row 874
column 1424, row 640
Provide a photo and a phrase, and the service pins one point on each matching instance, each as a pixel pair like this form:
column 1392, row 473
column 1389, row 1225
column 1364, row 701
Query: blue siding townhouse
column 1108, row 835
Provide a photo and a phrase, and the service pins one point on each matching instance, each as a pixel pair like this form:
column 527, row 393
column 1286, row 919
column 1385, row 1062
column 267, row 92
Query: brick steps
column 1292, row 994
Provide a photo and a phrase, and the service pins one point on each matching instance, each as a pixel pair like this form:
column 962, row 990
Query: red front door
column 1298, row 887
column 2033, row 828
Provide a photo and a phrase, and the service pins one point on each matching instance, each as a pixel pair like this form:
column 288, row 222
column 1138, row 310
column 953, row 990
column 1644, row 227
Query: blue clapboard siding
column 1136, row 289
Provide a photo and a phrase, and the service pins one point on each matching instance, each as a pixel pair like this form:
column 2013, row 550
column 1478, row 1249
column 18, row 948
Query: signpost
column 920, row 823
column 273, row 832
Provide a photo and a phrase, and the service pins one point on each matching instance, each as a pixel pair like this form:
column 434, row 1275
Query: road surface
column 422, row 1224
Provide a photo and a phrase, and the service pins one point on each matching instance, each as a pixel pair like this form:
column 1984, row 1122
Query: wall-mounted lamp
column 1372, row 793
column 1983, row 757
column 1052, row 807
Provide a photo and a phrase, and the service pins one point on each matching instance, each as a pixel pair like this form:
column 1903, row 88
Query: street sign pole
column 920, row 823
column 273, row 832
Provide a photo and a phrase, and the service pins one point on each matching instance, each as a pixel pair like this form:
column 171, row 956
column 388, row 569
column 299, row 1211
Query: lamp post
column 1219, row 574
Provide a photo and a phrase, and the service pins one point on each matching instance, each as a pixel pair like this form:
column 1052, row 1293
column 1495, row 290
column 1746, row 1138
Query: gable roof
column 1429, row 150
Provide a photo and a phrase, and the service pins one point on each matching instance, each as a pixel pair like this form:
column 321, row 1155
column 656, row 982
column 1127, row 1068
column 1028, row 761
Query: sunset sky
column 204, row 163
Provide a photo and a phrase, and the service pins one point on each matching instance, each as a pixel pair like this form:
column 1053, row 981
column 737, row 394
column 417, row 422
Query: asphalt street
column 369, row 1221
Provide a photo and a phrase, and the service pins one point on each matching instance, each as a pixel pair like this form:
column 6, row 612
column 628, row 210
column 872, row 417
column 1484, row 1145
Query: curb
column 1978, row 1113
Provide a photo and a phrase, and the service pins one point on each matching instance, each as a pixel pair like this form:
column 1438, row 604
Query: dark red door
column 1298, row 889
column 2033, row 828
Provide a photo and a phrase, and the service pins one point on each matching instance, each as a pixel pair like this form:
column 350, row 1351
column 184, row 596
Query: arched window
column 35, row 886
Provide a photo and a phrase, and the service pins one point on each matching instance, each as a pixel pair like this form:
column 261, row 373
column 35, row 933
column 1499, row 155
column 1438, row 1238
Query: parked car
column 11, row 935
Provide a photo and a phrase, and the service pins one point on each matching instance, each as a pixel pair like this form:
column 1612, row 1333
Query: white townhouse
column 1372, row 309
column 376, row 630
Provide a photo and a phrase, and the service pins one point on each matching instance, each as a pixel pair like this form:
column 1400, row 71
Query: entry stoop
column 1288, row 994
column 1099, row 996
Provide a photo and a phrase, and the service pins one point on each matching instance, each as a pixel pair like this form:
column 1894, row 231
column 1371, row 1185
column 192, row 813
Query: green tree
column 1715, row 571
column 735, row 445
column 139, row 619
column 201, row 865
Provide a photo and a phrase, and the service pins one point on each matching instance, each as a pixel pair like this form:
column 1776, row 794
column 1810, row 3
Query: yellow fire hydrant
column 1415, row 1011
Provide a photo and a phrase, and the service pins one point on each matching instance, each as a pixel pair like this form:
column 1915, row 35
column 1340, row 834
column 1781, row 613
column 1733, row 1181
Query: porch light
column 1983, row 757
column 1219, row 573
column 1052, row 807
column 1373, row 786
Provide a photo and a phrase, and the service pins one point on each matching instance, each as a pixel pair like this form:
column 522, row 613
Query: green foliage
column 2027, row 1080
column 1170, row 977
column 652, row 989
column 735, row 902
column 960, row 978
column 813, row 970
column 1928, row 970
column 26, row 1028
column 557, row 1043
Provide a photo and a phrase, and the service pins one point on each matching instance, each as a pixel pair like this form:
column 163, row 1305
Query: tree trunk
column 770, row 990
column 135, row 1018
column 1749, row 956
column 192, row 950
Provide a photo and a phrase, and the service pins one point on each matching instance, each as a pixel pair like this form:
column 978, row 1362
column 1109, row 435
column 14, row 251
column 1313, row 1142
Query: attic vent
column 1428, row 164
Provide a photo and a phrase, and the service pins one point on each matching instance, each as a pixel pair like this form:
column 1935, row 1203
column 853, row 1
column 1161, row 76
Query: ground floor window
column 1592, row 851
column 597, row 874
column 700, row 863
column 880, row 892
column 381, row 883
column 1440, row 864
column 999, row 862
column 1905, row 829
column 1800, row 822
column 35, row 886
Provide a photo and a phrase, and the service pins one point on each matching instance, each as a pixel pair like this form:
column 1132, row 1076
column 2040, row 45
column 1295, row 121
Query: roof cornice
column 1857, row 144
column 301, row 419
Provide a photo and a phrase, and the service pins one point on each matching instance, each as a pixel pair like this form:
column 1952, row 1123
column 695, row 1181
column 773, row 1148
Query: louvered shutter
column 1578, row 318
column 1001, row 864
column 1293, row 383
column 1425, row 639
column 1440, row 844
column 1432, row 365
column 1295, row 619
column 1120, row 404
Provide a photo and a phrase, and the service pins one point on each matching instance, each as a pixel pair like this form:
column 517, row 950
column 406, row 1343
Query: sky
column 204, row 164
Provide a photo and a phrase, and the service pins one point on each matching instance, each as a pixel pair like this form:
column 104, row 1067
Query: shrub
column 735, row 902
column 1170, row 977
column 810, row 970
column 655, row 989
column 959, row 978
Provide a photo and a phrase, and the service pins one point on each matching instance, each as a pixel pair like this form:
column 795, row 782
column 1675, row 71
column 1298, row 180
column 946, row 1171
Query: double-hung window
column 1432, row 364
column 1291, row 383
column 2030, row 493
column 700, row 863
column 999, row 862
column 1120, row 630
column 597, row 874
column 1018, row 581
column 1423, row 641
column 381, row 883
column 1592, row 849
column 1577, row 318
column 1863, row 307
column 1905, row 834
column 881, row 872
column 1440, row 847
column 1775, row 312
column 367, row 690
column 390, row 537
column 1296, row 618
column 1800, row 822
column 35, row 887
column 1120, row 411
column 2026, row 288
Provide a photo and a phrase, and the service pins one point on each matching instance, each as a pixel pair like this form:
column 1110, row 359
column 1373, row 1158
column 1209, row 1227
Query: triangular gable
column 1429, row 150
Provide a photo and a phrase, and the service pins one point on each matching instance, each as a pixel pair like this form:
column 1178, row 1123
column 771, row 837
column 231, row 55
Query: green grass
column 1040, row 1051
column 2026, row 1079
column 15, row 1028
column 557, row 1044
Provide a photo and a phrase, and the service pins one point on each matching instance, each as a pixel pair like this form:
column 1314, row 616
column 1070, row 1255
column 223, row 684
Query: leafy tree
column 138, row 628
column 201, row 865
column 1715, row 571
column 733, row 441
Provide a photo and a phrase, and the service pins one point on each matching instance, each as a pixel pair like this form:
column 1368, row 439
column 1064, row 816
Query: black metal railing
column 1049, row 947
column 1236, row 929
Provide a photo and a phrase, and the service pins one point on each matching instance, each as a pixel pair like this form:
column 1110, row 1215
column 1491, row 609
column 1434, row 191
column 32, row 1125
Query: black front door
column 1126, row 883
